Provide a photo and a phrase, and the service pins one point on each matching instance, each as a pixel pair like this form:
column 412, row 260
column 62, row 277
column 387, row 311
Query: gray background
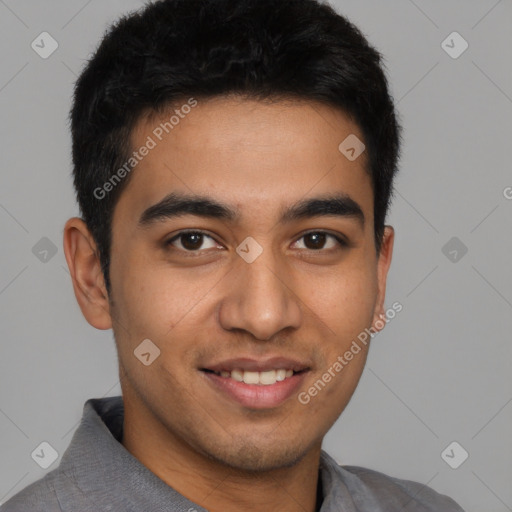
column 439, row 372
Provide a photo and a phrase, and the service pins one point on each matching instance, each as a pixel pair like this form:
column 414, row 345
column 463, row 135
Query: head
column 227, row 118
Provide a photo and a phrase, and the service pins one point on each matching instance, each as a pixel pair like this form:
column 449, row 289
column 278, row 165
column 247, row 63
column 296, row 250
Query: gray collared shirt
column 97, row 474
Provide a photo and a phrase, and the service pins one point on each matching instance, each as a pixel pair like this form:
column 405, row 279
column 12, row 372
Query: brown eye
column 317, row 240
column 191, row 241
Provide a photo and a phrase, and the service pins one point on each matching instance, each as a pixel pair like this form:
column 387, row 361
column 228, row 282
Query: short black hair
column 259, row 49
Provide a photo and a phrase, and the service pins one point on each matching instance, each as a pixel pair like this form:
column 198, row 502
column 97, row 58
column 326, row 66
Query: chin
column 250, row 457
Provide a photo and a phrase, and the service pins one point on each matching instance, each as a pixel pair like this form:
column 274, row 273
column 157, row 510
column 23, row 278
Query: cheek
column 343, row 300
column 156, row 301
column 153, row 304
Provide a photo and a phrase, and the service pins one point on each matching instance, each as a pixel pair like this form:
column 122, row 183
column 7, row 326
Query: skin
column 292, row 301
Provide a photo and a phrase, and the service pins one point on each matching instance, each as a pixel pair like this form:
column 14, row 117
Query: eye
column 316, row 240
column 191, row 241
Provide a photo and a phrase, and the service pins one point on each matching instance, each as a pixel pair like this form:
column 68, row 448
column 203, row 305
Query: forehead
column 257, row 156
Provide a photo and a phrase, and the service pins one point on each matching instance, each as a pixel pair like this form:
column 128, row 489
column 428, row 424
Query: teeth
column 268, row 377
column 262, row 378
column 280, row 375
column 237, row 375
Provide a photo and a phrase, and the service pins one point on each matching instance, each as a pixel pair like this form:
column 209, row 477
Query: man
column 233, row 163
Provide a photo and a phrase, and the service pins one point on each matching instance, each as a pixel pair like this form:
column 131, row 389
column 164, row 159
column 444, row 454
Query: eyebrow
column 177, row 204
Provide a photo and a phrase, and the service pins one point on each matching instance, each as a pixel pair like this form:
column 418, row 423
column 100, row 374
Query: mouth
column 256, row 384
column 265, row 378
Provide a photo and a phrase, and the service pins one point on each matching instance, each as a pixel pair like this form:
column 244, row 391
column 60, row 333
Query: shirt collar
column 96, row 448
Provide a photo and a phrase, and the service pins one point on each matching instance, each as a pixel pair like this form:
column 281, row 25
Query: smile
column 266, row 378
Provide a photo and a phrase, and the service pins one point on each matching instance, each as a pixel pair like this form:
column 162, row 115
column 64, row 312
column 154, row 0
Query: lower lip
column 257, row 396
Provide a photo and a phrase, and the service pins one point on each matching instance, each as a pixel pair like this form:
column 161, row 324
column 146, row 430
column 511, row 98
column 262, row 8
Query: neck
column 213, row 485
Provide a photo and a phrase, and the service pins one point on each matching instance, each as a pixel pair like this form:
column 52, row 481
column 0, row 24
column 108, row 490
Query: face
column 243, row 248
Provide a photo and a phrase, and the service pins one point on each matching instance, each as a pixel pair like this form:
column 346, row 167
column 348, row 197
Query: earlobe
column 85, row 269
column 383, row 264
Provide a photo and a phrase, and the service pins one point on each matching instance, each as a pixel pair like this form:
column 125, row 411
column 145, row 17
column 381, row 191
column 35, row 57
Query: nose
column 260, row 298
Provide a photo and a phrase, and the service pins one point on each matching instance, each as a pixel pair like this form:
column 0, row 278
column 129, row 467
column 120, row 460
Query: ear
column 85, row 269
column 383, row 264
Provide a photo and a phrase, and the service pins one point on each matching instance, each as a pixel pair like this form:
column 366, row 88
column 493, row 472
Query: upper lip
column 258, row 365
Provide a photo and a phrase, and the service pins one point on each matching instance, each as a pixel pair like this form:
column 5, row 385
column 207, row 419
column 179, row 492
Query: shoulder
column 39, row 496
column 391, row 491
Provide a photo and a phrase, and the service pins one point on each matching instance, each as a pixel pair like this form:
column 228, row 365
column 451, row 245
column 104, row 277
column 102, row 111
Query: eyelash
column 342, row 243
